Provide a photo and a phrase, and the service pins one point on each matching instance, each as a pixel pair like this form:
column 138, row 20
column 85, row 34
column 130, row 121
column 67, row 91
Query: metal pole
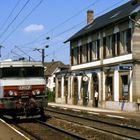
column 43, row 55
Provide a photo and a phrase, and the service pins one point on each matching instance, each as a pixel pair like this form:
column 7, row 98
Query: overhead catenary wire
column 34, row 8
column 10, row 14
column 62, row 23
column 77, row 24
column 8, row 26
column 24, row 52
column 96, row 15
column 37, row 39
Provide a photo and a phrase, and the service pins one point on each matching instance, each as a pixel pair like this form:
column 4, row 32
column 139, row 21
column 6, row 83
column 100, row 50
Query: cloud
column 34, row 28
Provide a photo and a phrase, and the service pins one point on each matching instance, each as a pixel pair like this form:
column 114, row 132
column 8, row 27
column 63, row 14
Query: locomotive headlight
column 33, row 92
column 37, row 92
column 11, row 93
column 15, row 93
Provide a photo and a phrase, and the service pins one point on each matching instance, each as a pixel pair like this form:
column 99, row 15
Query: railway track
column 38, row 130
column 110, row 129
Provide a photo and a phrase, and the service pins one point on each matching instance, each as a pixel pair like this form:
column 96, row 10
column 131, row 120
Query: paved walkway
column 99, row 111
column 7, row 132
column 83, row 108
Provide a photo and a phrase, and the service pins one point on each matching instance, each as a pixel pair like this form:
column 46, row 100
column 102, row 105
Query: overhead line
column 61, row 23
column 22, row 21
column 6, row 29
column 23, row 52
column 79, row 23
column 4, row 23
column 35, row 40
column 84, row 20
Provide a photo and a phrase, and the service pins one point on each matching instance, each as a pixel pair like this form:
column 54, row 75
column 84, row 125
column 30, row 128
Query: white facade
column 109, row 57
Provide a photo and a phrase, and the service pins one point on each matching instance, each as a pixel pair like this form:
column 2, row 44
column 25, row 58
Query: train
column 22, row 89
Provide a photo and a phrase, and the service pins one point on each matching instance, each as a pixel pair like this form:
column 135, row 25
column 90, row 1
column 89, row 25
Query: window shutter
column 113, row 44
column 104, row 47
column 128, row 41
column 118, row 43
column 90, row 46
column 71, row 52
column 98, row 49
column 81, row 51
column 77, row 55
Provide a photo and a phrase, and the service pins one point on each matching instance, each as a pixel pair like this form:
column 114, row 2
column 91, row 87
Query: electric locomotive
column 22, row 89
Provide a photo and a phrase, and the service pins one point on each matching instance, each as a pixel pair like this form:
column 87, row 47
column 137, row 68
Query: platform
column 100, row 111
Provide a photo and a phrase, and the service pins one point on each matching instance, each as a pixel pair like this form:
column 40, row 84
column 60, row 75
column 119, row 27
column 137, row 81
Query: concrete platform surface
column 100, row 111
column 7, row 132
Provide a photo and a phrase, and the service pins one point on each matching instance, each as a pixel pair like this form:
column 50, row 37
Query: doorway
column 94, row 86
column 75, row 91
column 66, row 90
column 84, row 87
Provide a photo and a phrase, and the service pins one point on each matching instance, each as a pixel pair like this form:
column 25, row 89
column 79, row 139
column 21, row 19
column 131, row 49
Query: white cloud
column 34, row 28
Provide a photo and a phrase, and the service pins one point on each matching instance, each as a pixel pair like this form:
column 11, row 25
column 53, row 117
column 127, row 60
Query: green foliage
column 50, row 95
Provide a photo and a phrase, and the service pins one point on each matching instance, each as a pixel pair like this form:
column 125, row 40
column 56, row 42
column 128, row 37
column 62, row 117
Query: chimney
column 90, row 16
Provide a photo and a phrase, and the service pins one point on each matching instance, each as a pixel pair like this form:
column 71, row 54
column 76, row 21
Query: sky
column 25, row 25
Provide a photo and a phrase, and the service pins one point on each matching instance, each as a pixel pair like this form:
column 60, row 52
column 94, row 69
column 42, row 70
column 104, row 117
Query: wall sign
column 125, row 67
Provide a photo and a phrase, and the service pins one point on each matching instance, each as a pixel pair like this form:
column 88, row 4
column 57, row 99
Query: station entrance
column 94, row 86
column 84, row 91
column 75, row 91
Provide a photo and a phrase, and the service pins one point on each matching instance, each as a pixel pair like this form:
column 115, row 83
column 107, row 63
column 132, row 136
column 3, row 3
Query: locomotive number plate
column 26, row 87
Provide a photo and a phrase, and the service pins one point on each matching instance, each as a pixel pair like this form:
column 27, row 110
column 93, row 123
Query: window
column 22, row 72
column 84, row 52
column 59, row 89
column 95, row 50
column 98, row 49
column 124, row 87
column 90, row 51
column 76, row 55
column 114, row 44
column 81, row 50
column 128, row 42
column 72, row 56
column 118, row 43
column 87, row 52
column 104, row 47
column 109, row 46
column 125, row 41
column 109, row 88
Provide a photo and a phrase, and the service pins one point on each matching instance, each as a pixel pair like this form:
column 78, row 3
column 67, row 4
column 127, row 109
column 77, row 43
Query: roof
column 52, row 66
column 113, row 16
column 10, row 63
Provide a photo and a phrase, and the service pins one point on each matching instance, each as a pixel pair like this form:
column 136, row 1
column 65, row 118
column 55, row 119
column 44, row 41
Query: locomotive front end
column 23, row 90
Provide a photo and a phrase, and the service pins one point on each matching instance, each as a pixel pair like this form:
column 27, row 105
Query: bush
column 50, row 95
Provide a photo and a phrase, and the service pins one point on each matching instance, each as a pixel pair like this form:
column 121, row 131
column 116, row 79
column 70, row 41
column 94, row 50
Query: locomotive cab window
column 21, row 72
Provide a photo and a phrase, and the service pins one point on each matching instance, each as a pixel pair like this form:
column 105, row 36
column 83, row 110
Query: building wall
column 51, row 82
column 136, row 83
column 109, row 67
column 136, row 39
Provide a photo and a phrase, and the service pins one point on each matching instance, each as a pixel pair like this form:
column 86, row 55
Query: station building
column 105, row 56
column 50, row 69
